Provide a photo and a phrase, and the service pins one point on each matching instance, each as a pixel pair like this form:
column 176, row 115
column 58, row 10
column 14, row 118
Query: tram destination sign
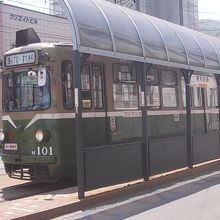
column 20, row 59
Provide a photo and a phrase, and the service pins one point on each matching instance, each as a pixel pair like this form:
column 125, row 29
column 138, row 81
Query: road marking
column 111, row 206
column 17, row 204
column 20, row 209
column 9, row 213
column 34, row 206
column 29, row 201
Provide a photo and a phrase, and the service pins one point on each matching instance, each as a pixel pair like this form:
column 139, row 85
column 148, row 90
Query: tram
column 117, row 95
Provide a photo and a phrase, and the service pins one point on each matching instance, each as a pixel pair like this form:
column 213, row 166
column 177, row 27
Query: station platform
column 61, row 202
column 30, row 206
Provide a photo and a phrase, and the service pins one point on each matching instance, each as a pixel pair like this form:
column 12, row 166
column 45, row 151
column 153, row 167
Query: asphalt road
column 196, row 199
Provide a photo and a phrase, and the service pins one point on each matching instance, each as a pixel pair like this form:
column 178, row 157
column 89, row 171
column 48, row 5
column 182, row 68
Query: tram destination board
column 20, row 59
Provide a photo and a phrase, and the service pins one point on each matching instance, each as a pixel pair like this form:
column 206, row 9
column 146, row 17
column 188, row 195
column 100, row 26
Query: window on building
column 125, row 92
column 66, row 69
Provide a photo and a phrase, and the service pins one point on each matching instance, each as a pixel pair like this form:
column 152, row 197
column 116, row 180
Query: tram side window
column 97, row 86
column 153, row 94
column 183, row 91
column 212, row 97
column 169, row 88
column 125, row 92
column 66, row 68
column 197, row 97
column 86, row 87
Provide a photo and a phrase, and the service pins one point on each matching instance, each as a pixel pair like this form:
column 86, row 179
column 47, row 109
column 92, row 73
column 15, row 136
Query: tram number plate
column 10, row 146
column 19, row 59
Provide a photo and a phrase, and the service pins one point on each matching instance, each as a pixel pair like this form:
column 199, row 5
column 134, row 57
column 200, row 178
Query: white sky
column 39, row 5
column 207, row 8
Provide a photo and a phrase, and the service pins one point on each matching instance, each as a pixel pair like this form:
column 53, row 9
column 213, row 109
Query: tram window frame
column 169, row 85
column 66, row 105
column 213, row 101
column 41, row 94
column 86, row 92
column 93, row 86
column 195, row 98
column 130, row 83
column 156, row 83
column 183, row 91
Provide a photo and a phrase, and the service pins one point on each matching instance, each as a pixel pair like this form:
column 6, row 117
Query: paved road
column 196, row 199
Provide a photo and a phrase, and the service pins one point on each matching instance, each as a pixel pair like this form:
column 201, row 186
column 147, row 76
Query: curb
column 98, row 199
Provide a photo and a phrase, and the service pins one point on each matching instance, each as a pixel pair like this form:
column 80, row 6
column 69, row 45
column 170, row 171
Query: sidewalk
column 37, row 204
column 1, row 163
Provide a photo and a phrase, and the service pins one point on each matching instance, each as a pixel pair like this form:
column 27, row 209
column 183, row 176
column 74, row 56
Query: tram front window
column 26, row 91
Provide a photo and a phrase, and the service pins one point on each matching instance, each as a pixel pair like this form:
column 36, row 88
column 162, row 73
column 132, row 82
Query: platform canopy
column 102, row 28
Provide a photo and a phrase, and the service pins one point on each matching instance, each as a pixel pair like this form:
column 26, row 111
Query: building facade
column 183, row 12
column 50, row 28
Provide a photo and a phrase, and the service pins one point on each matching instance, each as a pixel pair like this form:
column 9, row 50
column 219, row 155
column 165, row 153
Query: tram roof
column 102, row 28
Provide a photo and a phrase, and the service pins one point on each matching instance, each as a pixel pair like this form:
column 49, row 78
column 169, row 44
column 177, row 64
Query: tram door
column 205, row 118
column 205, row 104
column 199, row 110
column 94, row 116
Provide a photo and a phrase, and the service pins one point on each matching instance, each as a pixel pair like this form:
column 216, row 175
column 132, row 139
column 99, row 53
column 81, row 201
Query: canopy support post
column 78, row 124
column 187, row 77
column 217, row 77
column 145, row 146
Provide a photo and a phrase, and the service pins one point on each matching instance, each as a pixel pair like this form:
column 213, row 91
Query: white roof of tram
column 102, row 28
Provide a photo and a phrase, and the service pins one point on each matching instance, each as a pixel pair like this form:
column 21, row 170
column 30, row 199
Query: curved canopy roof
column 102, row 28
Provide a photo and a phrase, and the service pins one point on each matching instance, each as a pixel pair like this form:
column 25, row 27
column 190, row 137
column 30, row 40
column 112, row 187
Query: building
column 55, row 8
column 50, row 28
column 183, row 12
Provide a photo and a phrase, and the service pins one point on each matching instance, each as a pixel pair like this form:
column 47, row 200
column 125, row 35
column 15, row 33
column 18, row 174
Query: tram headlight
column 42, row 135
column 2, row 135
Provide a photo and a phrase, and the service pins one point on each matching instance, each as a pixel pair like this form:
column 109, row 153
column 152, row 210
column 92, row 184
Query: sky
column 39, row 5
column 208, row 9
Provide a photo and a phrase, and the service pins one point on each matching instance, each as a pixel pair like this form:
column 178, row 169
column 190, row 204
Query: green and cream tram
column 118, row 93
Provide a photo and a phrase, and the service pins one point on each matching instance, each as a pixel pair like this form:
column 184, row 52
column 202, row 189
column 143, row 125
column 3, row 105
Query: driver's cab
column 26, row 90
